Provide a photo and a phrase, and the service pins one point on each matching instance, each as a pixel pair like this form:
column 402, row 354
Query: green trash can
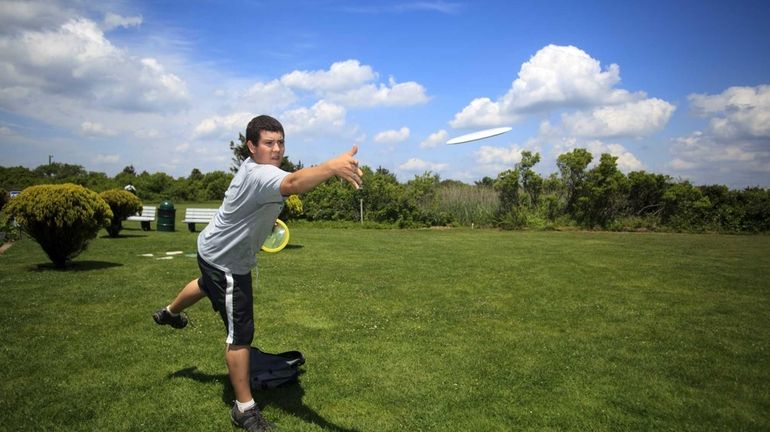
column 166, row 216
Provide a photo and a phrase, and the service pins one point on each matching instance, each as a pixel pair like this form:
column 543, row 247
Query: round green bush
column 62, row 218
column 123, row 204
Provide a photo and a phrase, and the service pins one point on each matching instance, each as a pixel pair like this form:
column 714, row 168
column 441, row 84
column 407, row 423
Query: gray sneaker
column 164, row 317
column 251, row 419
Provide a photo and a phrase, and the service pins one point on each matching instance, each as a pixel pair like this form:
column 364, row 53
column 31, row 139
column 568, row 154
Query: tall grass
column 468, row 204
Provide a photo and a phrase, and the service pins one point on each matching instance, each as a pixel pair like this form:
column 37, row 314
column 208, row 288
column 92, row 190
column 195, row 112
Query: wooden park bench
column 198, row 215
column 147, row 215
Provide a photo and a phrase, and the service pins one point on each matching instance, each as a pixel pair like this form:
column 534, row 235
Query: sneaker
column 164, row 317
column 251, row 419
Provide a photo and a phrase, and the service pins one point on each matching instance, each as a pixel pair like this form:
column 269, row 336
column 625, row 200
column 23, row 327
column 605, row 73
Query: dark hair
column 260, row 123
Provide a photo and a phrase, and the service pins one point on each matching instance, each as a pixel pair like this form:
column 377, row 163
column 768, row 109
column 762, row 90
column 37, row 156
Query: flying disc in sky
column 488, row 133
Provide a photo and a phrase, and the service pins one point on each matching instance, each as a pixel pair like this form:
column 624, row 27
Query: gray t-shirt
column 252, row 203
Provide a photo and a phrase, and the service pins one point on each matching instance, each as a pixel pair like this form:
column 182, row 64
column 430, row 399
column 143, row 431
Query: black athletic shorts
column 231, row 296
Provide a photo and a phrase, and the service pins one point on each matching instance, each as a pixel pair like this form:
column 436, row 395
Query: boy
column 228, row 245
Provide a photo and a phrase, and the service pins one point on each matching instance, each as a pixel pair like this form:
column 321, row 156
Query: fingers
column 353, row 150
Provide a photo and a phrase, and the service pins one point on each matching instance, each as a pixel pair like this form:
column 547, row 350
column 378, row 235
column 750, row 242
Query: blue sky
column 681, row 88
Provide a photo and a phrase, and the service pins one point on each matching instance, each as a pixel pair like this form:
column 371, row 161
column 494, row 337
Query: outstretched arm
column 344, row 166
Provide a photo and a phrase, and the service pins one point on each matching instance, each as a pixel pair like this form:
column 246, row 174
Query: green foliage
column 572, row 166
column 17, row 178
column 603, row 195
column 61, row 218
column 517, row 198
column 468, row 205
column 507, row 185
column 755, row 209
column 684, row 207
column 332, row 200
column 292, row 208
column 4, row 197
column 240, row 152
column 122, row 204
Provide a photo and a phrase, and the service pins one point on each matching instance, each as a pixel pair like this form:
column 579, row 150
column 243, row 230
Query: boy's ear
column 252, row 148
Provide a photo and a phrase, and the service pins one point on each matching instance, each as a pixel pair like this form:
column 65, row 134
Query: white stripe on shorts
column 229, row 307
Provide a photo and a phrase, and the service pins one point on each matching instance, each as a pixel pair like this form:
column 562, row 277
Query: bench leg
column 146, row 226
column 191, row 227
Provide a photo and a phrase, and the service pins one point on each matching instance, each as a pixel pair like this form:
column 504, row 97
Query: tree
column 216, row 183
column 604, row 194
column 684, row 207
column 572, row 166
column 62, row 218
column 486, row 181
column 646, row 190
column 57, row 172
column 531, row 182
column 240, row 152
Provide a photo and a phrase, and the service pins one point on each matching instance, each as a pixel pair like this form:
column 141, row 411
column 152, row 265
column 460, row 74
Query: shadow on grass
column 294, row 246
column 76, row 266
column 121, row 236
column 287, row 397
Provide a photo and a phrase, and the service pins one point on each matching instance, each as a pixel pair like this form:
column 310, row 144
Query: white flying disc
column 488, row 133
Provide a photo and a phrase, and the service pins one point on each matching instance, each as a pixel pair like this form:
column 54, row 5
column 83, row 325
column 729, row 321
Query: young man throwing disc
column 227, row 248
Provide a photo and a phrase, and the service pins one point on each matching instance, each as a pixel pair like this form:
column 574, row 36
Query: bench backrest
column 202, row 214
column 148, row 211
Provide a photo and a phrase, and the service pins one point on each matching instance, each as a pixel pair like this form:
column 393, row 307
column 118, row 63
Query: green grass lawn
column 403, row 330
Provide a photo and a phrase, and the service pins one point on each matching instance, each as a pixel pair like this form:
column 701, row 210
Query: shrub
column 61, row 218
column 292, row 208
column 123, row 204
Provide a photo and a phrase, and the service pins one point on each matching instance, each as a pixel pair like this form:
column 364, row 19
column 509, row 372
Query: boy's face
column 270, row 148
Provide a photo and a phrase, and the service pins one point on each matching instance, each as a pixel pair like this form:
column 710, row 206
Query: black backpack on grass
column 269, row 371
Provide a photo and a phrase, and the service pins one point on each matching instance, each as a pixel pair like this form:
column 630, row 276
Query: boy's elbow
column 288, row 186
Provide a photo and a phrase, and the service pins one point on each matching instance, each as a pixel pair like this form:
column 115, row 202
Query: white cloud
column 555, row 77
column 31, row 15
column 147, row 133
column 108, row 159
column 349, row 83
column 392, row 136
column 113, row 20
column 419, row 165
column 435, row 139
column 736, row 144
column 323, row 118
column 220, row 126
column 393, row 94
column 96, row 129
column 341, row 76
column 631, row 119
column 738, row 112
column 77, row 63
column 700, row 149
column 483, row 112
column 269, row 96
column 502, row 158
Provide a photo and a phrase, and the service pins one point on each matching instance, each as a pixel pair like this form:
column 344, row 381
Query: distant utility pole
column 50, row 158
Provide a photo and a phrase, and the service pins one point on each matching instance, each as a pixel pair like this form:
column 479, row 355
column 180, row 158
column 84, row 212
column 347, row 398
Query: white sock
column 243, row 406
column 172, row 313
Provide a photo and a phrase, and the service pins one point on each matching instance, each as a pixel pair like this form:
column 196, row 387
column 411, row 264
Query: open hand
column 345, row 166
